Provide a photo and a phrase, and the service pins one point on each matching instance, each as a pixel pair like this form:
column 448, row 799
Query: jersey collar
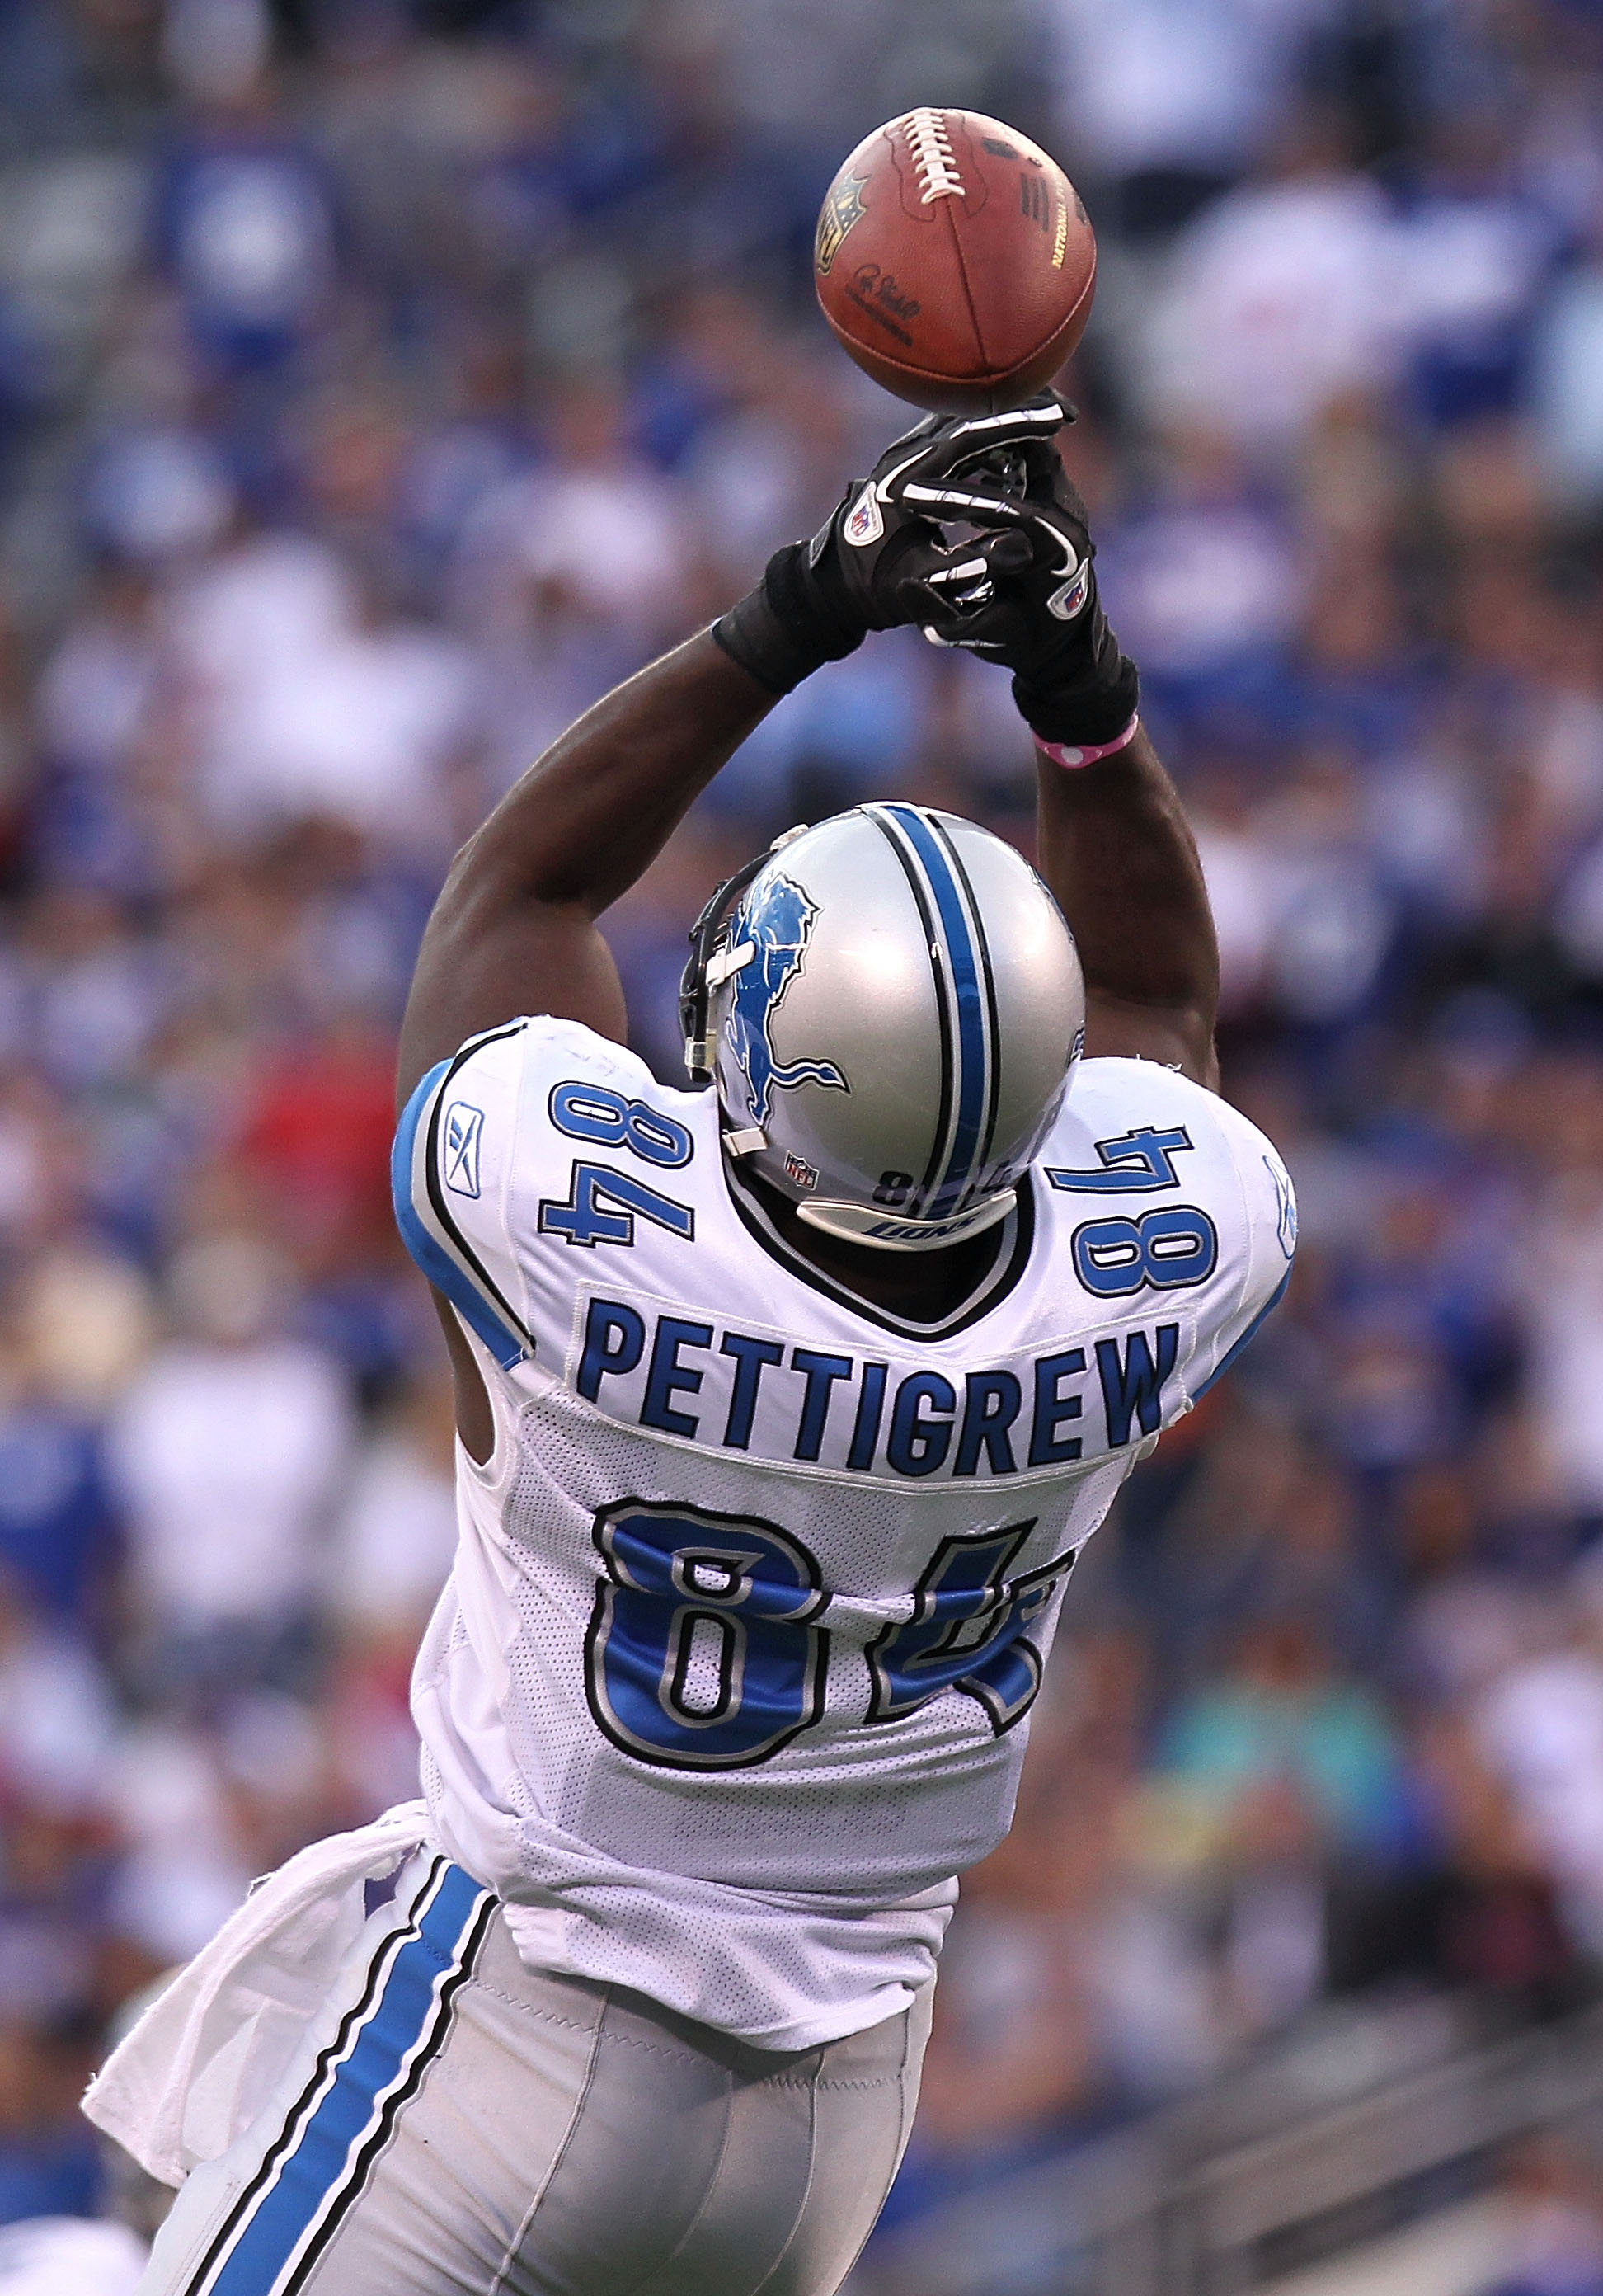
column 1014, row 1237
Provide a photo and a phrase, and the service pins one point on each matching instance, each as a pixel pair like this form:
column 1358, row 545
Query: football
column 955, row 261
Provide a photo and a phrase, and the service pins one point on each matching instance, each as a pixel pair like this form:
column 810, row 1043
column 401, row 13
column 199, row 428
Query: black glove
column 880, row 559
column 1025, row 594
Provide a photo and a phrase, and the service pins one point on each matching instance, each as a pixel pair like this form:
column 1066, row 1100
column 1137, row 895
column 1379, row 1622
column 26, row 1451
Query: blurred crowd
column 381, row 384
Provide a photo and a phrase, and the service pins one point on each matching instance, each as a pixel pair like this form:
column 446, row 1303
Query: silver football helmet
column 891, row 1006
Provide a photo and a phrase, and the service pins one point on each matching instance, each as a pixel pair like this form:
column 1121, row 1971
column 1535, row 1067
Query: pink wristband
column 1064, row 753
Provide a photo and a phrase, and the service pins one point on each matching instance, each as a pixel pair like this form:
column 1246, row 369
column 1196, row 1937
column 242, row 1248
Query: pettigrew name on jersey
column 743, row 1388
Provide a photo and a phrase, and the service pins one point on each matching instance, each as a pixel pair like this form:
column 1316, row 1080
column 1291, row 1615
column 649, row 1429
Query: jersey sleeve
column 1266, row 1246
column 451, row 1174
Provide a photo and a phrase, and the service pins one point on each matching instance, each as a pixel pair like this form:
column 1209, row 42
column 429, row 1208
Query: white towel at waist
column 203, row 2059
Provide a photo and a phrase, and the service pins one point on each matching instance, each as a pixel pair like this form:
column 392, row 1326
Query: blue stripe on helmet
column 969, row 999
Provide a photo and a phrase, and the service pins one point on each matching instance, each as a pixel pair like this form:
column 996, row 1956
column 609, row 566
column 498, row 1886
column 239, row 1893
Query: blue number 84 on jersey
column 705, row 1653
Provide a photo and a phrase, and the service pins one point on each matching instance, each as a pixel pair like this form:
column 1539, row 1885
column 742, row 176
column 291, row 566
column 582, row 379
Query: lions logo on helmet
column 777, row 925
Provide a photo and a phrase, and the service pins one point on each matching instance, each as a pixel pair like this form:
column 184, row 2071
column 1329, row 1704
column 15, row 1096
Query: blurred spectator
column 57, row 1722
column 1167, row 106
column 1540, row 1730
column 391, row 1551
column 1283, row 300
column 1567, row 396
column 1282, row 1717
column 1472, row 253
column 59, row 1525
column 48, row 2162
column 244, row 221
column 1481, row 1913
column 363, row 730
column 65, row 2255
column 1556, row 2222
column 156, row 494
column 396, row 1533
column 571, row 577
column 227, row 1453
column 316, row 1131
column 599, row 535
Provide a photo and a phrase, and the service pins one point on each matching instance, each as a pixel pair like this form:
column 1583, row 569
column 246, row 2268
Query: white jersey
column 752, row 1597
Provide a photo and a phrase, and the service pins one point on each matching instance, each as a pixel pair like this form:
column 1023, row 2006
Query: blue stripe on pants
column 405, row 2024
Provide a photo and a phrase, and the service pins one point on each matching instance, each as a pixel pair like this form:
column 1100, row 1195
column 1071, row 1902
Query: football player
column 785, row 1409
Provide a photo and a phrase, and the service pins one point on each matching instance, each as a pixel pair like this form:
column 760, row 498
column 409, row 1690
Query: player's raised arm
column 1117, row 849
column 513, row 930
column 1113, row 842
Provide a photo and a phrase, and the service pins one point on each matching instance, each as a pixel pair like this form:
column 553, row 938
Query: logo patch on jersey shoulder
column 779, row 924
column 462, row 1130
column 1286, row 1224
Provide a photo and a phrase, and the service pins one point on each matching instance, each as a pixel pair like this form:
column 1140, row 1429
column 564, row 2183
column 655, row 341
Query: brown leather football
column 955, row 261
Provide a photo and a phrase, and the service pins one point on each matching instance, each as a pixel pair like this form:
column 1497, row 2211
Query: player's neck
column 926, row 1284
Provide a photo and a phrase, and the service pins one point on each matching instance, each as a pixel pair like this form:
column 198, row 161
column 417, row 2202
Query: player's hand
column 882, row 559
column 1025, row 593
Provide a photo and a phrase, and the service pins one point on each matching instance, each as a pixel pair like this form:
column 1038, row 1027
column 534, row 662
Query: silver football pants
column 464, row 2125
